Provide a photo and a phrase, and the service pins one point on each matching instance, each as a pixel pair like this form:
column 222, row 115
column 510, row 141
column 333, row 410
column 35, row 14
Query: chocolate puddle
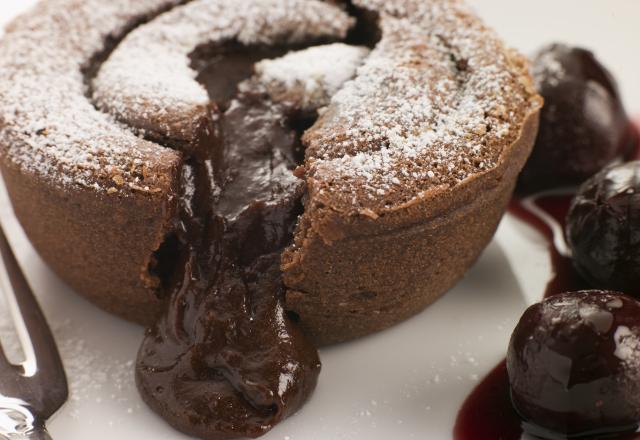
column 226, row 361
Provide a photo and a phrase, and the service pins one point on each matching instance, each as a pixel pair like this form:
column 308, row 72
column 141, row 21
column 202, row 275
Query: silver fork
column 31, row 392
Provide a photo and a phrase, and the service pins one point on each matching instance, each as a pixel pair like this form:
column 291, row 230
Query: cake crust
column 82, row 185
column 344, row 289
column 86, row 239
column 393, row 217
column 409, row 170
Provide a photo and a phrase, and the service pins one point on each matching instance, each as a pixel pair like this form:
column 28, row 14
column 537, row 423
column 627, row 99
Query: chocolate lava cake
column 387, row 137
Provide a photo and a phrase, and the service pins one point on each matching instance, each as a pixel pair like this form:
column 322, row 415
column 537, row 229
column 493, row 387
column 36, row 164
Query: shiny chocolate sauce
column 226, row 360
column 223, row 66
column 488, row 412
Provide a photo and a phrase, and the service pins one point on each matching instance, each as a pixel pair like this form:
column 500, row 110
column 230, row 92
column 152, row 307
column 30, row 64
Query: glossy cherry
column 583, row 125
column 603, row 229
column 574, row 365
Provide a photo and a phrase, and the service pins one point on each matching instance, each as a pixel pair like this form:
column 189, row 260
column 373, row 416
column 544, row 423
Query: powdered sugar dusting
column 148, row 82
column 48, row 127
column 310, row 77
column 435, row 103
column 90, row 373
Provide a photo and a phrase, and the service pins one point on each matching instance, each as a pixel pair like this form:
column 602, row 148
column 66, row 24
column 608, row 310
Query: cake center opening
column 225, row 359
column 225, row 344
column 222, row 67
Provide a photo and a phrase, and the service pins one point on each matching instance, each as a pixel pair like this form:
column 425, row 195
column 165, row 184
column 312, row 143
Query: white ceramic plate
column 404, row 383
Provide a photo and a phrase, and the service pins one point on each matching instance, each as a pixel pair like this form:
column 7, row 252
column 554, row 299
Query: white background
column 404, row 383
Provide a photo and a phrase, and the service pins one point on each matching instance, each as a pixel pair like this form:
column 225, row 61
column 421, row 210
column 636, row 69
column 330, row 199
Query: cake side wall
column 369, row 285
column 353, row 287
column 99, row 244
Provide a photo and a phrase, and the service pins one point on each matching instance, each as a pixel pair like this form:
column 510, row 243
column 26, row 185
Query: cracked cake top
column 434, row 103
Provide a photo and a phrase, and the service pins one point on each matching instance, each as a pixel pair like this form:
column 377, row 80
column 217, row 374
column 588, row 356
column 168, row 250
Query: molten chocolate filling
column 226, row 360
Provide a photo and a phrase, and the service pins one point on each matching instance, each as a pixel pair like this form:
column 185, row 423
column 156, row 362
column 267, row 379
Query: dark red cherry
column 574, row 365
column 603, row 229
column 583, row 125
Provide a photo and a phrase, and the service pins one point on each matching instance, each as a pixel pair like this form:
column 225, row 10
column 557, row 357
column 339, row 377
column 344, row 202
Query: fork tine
column 43, row 366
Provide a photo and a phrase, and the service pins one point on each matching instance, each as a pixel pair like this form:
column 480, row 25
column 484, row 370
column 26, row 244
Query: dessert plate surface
column 404, row 383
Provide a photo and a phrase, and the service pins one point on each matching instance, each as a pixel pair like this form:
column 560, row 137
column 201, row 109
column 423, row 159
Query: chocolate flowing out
column 222, row 67
column 226, row 361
